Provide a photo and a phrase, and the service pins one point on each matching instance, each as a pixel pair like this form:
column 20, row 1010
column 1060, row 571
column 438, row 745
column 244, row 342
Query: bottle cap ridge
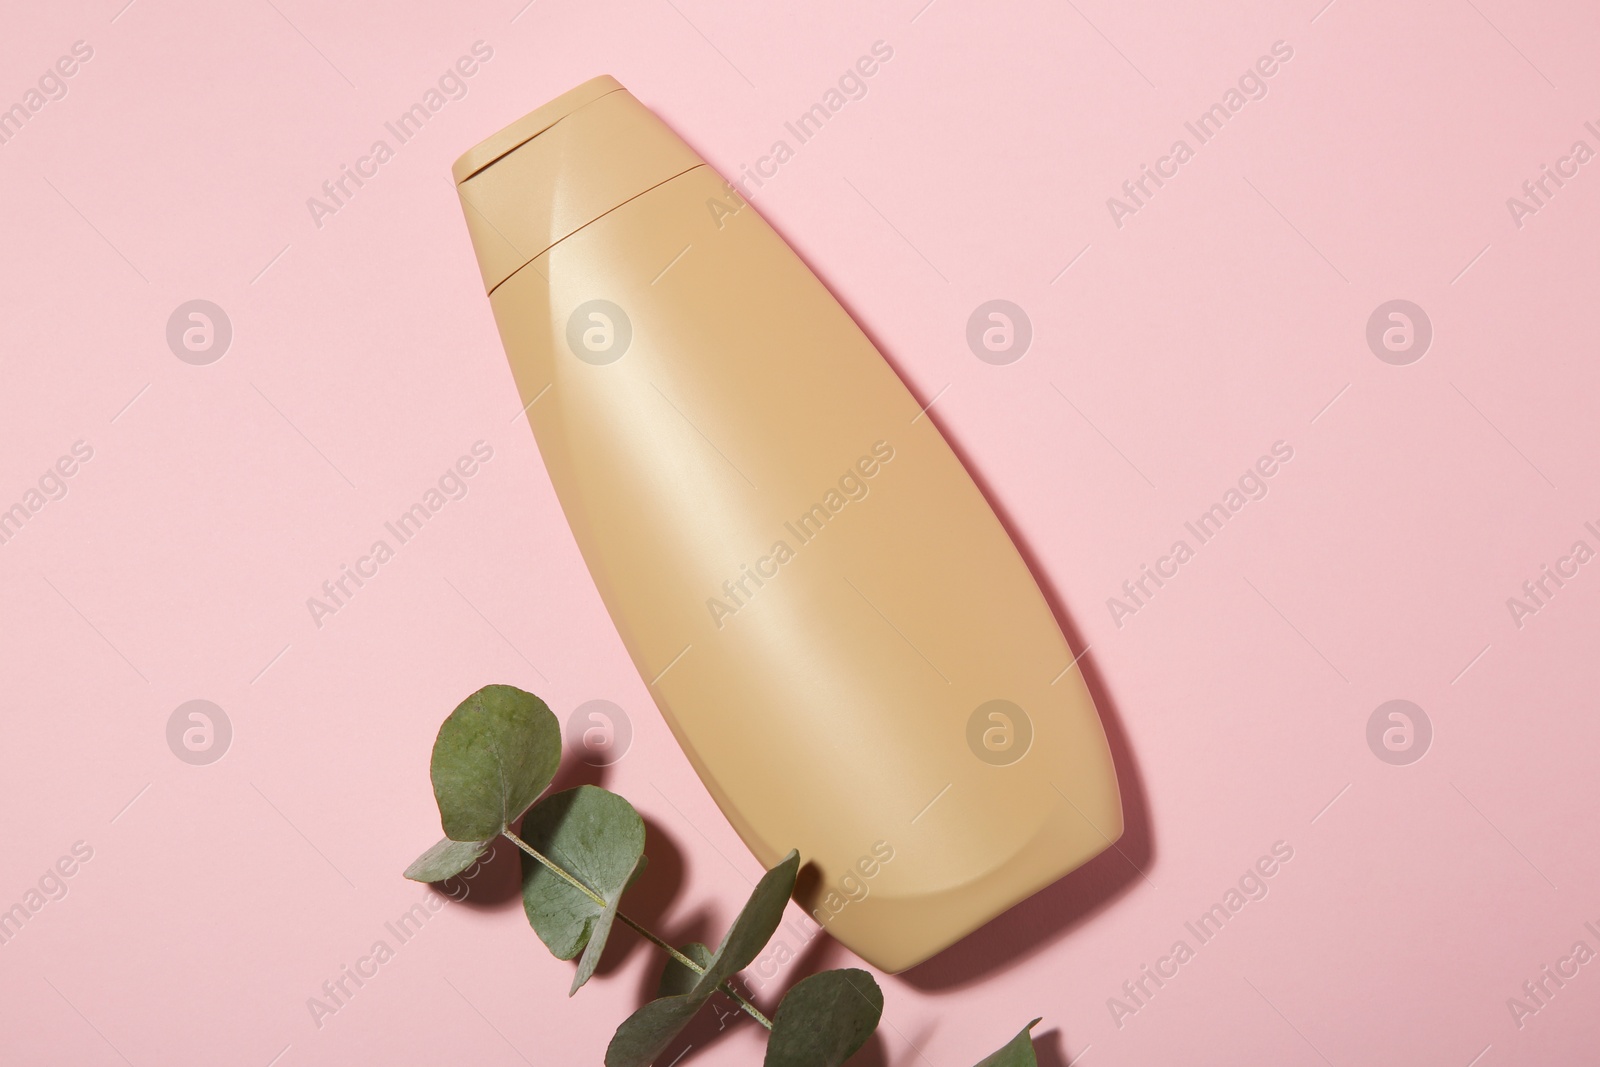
column 560, row 167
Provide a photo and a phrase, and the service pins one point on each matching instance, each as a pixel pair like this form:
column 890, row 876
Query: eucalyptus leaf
column 493, row 757
column 822, row 1020
column 646, row 1033
column 1018, row 1052
column 446, row 860
column 600, row 931
column 676, row 978
column 595, row 836
column 758, row 920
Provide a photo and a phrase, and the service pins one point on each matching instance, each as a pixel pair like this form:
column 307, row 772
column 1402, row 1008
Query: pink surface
column 1227, row 313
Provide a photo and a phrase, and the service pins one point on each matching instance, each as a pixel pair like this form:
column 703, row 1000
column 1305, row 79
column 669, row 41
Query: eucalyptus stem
column 599, row 900
column 727, row 987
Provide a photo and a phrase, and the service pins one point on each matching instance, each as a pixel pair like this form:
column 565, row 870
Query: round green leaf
column 493, row 757
column 1018, row 1052
column 645, row 1034
column 822, row 1020
column 446, row 860
column 595, row 836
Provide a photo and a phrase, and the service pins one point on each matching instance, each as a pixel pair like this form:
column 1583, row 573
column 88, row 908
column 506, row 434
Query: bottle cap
column 557, row 169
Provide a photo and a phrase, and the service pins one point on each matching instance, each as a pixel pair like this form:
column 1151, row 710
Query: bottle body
column 835, row 625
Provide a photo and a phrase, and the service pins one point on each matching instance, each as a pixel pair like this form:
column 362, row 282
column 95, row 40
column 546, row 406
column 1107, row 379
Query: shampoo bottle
column 830, row 617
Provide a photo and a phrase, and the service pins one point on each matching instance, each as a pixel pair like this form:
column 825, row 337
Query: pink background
column 1227, row 314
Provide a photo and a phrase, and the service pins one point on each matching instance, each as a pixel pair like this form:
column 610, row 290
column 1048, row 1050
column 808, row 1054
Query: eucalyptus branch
column 498, row 753
column 560, row 872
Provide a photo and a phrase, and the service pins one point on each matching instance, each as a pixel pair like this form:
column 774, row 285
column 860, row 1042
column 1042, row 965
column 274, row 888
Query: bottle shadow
column 1037, row 923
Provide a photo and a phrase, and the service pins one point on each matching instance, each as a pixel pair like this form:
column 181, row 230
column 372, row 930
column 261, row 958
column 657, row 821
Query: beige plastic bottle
column 830, row 617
